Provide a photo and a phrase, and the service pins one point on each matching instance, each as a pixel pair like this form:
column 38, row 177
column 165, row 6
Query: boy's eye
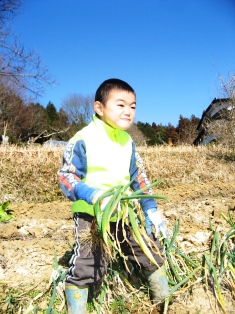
column 120, row 105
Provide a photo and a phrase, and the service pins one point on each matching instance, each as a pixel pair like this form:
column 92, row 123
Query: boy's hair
column 109, row 85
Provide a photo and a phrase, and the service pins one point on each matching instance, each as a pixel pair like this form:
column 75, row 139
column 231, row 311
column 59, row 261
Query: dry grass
column 30, row 173
column 188, row 164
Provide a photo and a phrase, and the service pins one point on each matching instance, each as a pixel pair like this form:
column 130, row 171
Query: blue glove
column 153, row 217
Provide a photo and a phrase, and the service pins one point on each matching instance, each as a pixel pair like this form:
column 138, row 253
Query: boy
column 100, row 156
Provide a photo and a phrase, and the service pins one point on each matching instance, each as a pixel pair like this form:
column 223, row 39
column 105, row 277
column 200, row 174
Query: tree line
column 31, row 122
column 25, row 122
column 184, row 133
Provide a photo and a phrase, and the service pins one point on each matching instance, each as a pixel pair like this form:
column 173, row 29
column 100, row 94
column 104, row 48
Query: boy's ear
column 98, row 107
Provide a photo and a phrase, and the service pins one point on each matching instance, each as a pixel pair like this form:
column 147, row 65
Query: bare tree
column 11, row 108
column 79, row 108
column 19, row 67
column 227, row 86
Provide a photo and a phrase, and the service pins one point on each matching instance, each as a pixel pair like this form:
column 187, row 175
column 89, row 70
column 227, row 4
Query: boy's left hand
column 153, row 217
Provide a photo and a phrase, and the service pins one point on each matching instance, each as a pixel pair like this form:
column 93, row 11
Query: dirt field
column 28, row 243
column 199, row 183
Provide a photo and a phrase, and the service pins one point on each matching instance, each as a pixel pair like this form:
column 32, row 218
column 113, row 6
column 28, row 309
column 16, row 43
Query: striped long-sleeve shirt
column 113, row 155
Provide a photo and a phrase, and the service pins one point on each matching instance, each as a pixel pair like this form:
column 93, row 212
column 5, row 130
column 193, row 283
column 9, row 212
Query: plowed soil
column 28, row 243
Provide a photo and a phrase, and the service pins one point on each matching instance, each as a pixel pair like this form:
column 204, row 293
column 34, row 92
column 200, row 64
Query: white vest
column 108, row 152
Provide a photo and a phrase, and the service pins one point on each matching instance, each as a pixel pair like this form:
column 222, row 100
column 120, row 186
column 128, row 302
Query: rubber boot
column 76, row 298
column 158, row 284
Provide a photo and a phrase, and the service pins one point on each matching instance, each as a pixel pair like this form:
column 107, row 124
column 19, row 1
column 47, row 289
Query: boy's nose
column 127, row 111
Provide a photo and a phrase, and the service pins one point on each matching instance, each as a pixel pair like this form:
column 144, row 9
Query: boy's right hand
column 104, row 202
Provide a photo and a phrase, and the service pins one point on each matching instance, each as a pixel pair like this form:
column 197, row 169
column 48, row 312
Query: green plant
column 118, row 306
column 9, row 303
column 6, row 214
column 124, row 207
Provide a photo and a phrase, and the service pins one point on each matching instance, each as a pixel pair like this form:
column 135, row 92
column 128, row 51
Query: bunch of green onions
column 123, row 207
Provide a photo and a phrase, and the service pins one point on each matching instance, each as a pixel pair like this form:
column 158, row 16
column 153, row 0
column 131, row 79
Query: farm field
column 199, row 184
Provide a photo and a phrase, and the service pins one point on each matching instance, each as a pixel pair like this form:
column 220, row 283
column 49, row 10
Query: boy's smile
column 119, row 110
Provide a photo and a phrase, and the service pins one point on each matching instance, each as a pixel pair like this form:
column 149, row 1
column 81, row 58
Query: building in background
column 216, row 122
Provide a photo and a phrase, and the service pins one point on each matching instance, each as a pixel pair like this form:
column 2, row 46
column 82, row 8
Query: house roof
column 215, row 106
column 210, row 113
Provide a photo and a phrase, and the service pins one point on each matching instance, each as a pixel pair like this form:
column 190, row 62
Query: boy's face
column 119, row 111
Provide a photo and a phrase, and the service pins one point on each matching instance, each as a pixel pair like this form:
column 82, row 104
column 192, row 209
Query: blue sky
column 172, row 52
